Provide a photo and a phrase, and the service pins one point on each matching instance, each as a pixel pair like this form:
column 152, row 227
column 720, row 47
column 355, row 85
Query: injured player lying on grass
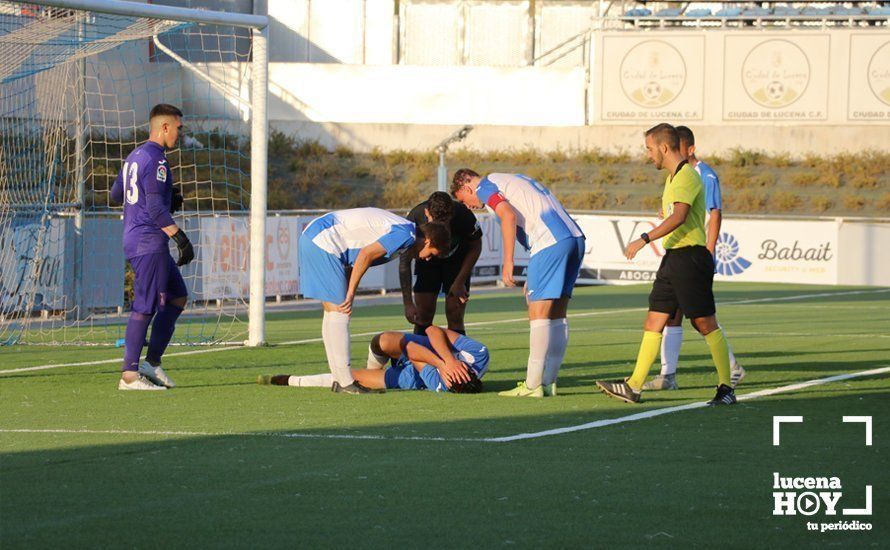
column 443, row 360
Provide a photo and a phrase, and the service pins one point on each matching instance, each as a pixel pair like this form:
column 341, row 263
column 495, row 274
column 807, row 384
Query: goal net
column 76, row 87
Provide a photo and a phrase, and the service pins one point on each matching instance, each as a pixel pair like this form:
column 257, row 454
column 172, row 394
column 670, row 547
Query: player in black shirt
column 450, row 273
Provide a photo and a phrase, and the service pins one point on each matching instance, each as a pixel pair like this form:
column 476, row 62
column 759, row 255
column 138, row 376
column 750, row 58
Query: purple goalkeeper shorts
column 157, row 281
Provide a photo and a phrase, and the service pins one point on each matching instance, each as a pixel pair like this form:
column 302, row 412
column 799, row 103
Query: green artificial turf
column 269, row 466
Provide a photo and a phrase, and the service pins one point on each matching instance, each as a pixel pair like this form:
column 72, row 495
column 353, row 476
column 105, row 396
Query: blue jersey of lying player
column 145, row 186
column 713, row 199
column 403, row 375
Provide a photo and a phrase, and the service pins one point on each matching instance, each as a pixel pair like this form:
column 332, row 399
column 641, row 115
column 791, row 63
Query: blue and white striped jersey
column 344, row 233
column 541, row 220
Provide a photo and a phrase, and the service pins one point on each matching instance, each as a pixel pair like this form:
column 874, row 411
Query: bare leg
column 425, row 302
column 373, row 378
column 454, row 312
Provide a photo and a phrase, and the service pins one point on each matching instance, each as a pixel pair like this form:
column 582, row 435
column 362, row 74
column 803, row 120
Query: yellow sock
column 649, row 349
column 720, row 354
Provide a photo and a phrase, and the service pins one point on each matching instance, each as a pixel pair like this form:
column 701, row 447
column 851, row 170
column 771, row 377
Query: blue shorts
column 157, row 281
column 322, row 274
column 403, row 376
column 552, row 272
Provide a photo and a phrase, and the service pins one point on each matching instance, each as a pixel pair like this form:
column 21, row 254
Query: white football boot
column 141, row 383
column 156, row 374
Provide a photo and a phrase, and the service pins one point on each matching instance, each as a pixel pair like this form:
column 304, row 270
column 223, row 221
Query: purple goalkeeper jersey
column 145, row 186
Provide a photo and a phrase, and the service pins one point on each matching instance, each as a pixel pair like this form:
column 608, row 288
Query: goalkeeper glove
column 186, row 251
column 176, row 200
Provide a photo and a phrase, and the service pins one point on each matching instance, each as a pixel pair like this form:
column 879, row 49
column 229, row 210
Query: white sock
column 335, row 334
column 556, row 352
column 375, row 361
column 538, row 343
column 311, row 381
column 670, row 349
column 732, row 361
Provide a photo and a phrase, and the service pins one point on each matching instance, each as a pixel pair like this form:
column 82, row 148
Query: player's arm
column 459, row 287
column 507, row 215
column 714, row 204
column 156, row 187
column 365, row 259
column 715, row 220
column 405, row 261
column 672, row 222
column 452, row 369
column 160, row 214
column 117, row 190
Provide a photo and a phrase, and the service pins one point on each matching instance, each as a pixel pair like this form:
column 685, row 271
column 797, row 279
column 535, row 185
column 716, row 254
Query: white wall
column 863, row 254
column 426, row 95
column 331, row 31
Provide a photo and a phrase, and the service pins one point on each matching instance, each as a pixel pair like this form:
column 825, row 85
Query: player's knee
column 424, row 318
column 375, row 345
column 180, row 302
column 387, row 343
column 454, row 309
column 653, row 325
column 705, row 325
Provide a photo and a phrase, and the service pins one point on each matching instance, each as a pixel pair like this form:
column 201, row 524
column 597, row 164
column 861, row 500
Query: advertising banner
column 657, row 77
column 225, row 257
column 488, row 266
column 775, row 77
column 869, row 78
column 776, row 251
column 46, row 283
column 748, row 250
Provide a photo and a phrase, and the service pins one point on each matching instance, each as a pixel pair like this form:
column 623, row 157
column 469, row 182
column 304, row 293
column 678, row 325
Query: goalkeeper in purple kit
column 145, row 187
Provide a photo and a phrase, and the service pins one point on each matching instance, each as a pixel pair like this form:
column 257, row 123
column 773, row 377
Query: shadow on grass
column 267, row 489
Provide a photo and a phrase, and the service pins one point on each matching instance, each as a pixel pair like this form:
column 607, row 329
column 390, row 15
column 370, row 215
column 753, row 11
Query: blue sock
column 161, row 332
column 134, row 339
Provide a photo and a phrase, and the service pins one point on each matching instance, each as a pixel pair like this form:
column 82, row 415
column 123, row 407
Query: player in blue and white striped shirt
column 358, row 239
column 531, row 215
column 672, row 338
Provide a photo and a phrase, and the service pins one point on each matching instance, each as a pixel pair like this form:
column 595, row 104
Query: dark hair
column 685, row 135
column 665, row 133
column 164, row 109
column 441, row 206
column 461, row 178
column 473, row 385
column 438, row 234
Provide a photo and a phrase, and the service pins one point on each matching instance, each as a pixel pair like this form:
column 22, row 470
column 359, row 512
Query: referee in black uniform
column 449, row 274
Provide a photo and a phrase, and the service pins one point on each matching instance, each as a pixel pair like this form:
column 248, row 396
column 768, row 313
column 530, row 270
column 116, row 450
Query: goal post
column 75, row 78
column 259, row 134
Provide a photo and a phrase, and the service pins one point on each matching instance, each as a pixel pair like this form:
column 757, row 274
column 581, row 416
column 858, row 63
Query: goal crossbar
column 157, row 11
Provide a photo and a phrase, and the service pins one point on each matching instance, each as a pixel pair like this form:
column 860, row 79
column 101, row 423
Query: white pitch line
column 475, row 324
column 506, row 439
column 688, row 406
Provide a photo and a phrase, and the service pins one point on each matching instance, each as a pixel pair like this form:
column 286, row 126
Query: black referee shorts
column 437, row 276
column 684, row 280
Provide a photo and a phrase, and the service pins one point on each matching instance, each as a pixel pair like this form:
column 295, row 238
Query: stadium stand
column 757, row 14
